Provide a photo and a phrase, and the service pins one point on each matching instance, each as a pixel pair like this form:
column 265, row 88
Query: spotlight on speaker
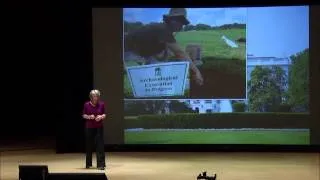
column 33, row 172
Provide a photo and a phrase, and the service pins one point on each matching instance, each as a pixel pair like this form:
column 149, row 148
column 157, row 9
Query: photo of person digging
column 214, row 45
column 154, row 43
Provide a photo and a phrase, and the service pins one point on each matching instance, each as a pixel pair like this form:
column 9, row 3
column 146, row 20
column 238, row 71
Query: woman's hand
column 89, row 117
column 198, row 78
column 100, row 117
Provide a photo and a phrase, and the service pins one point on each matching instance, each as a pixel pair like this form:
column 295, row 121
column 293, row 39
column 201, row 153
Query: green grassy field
column 218, row 137
column 212, row 43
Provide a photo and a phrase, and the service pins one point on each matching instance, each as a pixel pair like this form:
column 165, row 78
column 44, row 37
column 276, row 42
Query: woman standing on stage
column 94, row 114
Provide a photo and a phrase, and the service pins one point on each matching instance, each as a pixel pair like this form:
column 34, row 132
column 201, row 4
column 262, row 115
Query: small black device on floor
column 204, row 176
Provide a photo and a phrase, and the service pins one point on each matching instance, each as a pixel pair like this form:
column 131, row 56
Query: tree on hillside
column 266, row 88
column 234, row 25
column 189, row 28
column 298, row 91
column 203, row 27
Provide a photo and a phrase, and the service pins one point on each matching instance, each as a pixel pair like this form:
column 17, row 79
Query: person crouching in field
column 152, row 43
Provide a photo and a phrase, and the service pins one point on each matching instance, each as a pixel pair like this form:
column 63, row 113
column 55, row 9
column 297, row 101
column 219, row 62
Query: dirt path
column 219, row 85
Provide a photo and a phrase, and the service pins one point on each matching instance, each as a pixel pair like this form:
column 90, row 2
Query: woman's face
column 94, row 99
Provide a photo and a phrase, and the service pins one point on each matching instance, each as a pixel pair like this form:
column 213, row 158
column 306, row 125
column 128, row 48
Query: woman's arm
column 85, row 114
column 175, row 48
column 101, row 116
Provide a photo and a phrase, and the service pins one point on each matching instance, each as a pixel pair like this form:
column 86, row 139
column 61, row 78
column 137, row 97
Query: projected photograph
column 185, row 53
column 276, row 110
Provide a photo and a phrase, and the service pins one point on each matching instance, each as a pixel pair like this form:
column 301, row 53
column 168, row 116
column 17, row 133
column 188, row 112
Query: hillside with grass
column 212, row 43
